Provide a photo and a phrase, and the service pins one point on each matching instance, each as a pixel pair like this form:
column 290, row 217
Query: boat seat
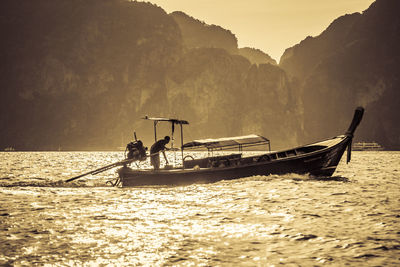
column 202, row 163
column 212, row 161
column 225, row 160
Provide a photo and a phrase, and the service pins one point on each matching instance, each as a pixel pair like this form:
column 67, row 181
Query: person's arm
column 165, row 156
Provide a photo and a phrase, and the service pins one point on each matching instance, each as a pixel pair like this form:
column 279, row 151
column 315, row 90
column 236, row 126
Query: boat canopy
column 174, row 121
column 228, row 142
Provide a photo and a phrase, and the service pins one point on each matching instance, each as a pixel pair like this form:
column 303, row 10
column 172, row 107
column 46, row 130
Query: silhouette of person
column 154, row 152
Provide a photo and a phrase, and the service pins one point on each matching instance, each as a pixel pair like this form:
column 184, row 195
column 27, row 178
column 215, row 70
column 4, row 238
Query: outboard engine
column 136, row 151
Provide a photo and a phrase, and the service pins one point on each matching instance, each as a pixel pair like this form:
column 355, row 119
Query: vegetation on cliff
column 80, row 74
column 355, row 61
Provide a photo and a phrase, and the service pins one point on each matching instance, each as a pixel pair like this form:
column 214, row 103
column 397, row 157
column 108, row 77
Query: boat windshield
column 228, row 142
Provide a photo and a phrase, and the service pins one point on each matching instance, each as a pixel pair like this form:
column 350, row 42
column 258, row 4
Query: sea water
column 350, row 219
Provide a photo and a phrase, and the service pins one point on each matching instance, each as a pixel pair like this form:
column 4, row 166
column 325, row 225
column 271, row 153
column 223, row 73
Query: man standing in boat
column 155, row 152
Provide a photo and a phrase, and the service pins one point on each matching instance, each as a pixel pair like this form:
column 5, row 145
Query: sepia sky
column 269, row 25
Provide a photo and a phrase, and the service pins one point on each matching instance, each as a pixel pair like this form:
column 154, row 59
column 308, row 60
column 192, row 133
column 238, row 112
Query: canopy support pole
column 155, row 131
column 182, row 142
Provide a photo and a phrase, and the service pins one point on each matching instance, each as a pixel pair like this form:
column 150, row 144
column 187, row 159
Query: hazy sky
column 269, row 25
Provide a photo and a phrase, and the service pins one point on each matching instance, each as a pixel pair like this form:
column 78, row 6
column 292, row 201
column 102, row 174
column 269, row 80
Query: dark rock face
column 256, row 56
column 223, row 94
column 196, row 34
column 355, row 61
column 75, row 72
column 81, row 74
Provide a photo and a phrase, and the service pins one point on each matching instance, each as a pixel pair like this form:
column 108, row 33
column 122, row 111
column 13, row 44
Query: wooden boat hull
column 318, row 163
column 317, row 159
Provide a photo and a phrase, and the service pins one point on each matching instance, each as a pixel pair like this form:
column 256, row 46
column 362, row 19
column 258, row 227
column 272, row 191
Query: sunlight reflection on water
column 264, row 220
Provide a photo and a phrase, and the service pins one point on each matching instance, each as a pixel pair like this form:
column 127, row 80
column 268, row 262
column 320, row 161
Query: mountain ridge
column 353, row 62
column 83, row 81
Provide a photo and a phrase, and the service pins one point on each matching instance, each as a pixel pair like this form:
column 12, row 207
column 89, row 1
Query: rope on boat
column 116, row 183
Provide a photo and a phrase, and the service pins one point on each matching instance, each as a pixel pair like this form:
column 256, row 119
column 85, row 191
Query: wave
column 294, row 177
column 45, row 182
column 331, row 178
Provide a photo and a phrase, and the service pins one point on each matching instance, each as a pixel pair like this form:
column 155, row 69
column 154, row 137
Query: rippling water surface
column 350, row 219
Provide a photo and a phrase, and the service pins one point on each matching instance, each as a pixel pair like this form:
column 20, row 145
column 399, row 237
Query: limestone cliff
column 80, row 75
column 198, row 34
column 76, row 73
column 355, row 61
column 256, row 56
column 224, row 94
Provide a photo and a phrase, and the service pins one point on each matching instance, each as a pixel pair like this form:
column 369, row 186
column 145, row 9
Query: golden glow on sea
column 273, row 220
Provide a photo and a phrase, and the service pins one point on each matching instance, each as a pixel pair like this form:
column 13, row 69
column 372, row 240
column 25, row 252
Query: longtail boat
column 317, row 159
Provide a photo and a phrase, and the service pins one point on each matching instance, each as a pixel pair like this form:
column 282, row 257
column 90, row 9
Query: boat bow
column 358, row 115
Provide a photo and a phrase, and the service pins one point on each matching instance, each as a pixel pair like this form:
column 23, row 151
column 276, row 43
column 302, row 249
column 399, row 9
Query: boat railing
column 309, row 149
